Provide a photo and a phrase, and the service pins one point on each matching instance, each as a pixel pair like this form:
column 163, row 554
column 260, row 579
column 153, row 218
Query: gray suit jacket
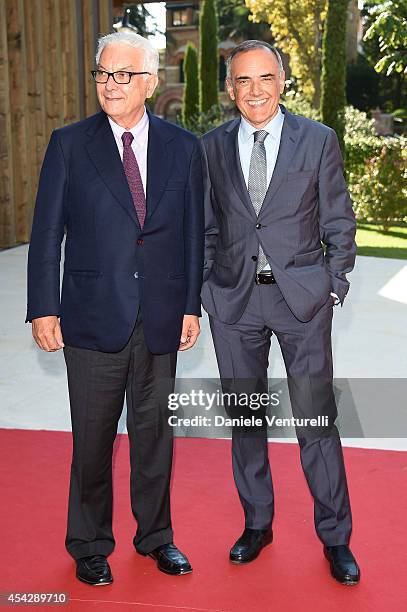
column 307, row 223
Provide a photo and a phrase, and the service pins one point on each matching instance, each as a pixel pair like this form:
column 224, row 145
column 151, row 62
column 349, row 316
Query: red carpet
column 291, row 574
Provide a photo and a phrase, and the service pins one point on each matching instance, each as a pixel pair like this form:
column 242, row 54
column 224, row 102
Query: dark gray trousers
column 97, row 384
column 242, row 351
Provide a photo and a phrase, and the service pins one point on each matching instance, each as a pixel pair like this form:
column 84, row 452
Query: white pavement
column 369, row 341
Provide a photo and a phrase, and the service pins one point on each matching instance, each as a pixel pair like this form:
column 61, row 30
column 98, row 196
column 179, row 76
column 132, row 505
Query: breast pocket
column 311, row 258
column 297, row 176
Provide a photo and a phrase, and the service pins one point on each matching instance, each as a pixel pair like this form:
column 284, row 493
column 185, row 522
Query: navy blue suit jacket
column 112, row 267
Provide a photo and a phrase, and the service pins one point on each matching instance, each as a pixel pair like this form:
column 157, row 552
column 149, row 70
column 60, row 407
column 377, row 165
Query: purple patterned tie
column 133, row 176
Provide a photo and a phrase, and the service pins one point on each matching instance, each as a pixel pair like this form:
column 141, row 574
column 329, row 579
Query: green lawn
column 372, row 241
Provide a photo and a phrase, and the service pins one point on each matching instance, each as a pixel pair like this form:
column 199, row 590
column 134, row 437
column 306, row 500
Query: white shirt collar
column 273, row 127
column 137, row 131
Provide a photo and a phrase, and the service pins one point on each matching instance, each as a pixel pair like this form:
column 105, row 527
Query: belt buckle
column 267, row 279
column 259, row 279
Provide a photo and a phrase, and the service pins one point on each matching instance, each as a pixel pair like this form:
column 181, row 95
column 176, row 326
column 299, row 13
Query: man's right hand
column 47, row 333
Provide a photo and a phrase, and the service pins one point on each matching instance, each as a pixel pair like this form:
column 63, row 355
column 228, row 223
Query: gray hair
column 151, row 57
column 249, row 45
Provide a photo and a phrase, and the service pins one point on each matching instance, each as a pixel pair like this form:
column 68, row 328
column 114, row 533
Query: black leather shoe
column 94, row 570
column 343, row 564
column 171, row 560
column 249, row 545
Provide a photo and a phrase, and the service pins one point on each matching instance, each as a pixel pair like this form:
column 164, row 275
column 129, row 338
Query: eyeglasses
column 120, row 77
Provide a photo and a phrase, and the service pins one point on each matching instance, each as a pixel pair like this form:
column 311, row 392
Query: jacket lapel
column 288, row 144
column 104, row 154
column 159, row 162
column 233, row 166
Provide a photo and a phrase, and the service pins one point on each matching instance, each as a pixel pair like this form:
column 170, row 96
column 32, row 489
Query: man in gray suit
column 279, row 241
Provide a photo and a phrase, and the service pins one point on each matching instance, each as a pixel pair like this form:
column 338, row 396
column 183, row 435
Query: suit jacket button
column 258, row 225
column 140, row 241
column 254, row 257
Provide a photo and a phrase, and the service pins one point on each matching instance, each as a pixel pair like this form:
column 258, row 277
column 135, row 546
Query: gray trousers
column 242, row 351
column 98, row 383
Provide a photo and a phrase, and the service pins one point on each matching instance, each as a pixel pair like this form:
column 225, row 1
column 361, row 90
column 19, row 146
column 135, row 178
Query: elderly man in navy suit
column 127, row 188
column 279, row 242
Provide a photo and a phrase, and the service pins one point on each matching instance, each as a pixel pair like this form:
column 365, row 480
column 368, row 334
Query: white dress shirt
column 139, row 144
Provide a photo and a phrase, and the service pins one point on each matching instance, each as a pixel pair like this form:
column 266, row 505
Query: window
column 179, row 17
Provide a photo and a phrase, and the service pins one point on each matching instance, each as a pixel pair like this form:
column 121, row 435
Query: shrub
column 201, row 122
column 380, row 192
column 297, row 104
column 376, row 171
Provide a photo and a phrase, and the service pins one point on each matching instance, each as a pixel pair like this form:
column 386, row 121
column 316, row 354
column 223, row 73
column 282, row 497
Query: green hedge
column 376, row 168
column 202, row 122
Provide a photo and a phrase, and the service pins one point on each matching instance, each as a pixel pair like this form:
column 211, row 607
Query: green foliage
column 203, row 122
column 333, row 98
column 376, row 169
column 391, row 90
column 363, row 85
column 190, row 102
column 358, row 125
column 299, row 105
column 380, row 192
column 234, row 22
column 208, row 60
column 390, row 26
